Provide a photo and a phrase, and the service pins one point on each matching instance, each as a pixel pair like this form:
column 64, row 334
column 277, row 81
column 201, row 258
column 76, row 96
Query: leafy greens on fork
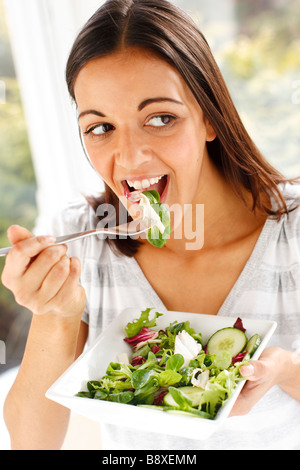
column 156, row 214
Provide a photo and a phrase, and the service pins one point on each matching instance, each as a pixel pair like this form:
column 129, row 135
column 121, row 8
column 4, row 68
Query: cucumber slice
column 223, row 360
column 253, row 344
column 228, row 339
column 193, row 393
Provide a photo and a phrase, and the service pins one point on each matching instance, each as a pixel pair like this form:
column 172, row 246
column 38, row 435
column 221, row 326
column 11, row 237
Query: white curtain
column 42, row 33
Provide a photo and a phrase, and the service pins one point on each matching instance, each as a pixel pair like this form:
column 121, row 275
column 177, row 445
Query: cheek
column 99, row 161
column 186, row 154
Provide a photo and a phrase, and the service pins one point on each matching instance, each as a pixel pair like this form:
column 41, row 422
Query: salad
column 156, row 214
column 173, row 370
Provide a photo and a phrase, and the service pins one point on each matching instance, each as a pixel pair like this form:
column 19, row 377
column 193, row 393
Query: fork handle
column 4, row 251
column 59, row 240
column 76, row 236
column 120, row 230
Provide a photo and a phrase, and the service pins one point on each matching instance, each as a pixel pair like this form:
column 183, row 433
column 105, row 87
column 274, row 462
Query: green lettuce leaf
column 154, row 236
column 133, row 328
column 153, row 196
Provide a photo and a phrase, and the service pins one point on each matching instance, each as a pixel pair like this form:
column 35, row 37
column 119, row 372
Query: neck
column 216, row 217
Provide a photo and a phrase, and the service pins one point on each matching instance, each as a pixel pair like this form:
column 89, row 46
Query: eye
column 162, row 120
column 99, row 129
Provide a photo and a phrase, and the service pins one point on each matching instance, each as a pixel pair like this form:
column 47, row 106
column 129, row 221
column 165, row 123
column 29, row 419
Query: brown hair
column 164, row 29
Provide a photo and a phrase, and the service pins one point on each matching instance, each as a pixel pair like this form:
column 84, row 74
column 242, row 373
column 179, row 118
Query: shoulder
column 291, row 194
column 77, row 216
column 284, row 235
column 80, row 216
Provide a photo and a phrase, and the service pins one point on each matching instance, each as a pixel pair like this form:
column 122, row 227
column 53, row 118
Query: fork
column 123, row 229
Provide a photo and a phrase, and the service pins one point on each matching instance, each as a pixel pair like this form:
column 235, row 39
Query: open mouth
column 132, row 188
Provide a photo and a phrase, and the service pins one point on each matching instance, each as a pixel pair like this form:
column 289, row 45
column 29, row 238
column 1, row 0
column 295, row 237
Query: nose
column 131, row 150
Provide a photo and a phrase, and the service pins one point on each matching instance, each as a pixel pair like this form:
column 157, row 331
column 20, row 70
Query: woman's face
column 142, row 126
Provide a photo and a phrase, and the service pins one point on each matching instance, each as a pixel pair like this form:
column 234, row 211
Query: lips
column 157, row 183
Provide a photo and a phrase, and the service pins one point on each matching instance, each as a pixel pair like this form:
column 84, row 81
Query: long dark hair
column 164, row 29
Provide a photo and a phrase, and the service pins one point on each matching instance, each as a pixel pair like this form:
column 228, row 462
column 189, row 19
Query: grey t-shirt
column 267, row 288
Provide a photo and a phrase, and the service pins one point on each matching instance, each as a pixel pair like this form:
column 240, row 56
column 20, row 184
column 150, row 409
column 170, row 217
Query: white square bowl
column 92, row 365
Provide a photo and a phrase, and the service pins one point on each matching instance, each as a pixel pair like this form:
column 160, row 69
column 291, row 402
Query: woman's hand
column 44, row 280
column 41, row 276
column 275, row 366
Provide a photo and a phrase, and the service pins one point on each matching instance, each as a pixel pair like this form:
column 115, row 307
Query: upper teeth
column 143, row 184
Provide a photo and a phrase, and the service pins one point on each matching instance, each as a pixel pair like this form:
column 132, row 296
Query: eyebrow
column 156, row 100
column 91, row 111
column 141, row 106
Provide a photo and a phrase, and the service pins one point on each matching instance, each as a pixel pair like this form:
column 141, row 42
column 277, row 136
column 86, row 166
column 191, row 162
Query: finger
column 72, row 281
column 55, row 280
column 16, row 233
column 247, row 371
column 23, row 251
column 255, row 371
column 71, row 296
column 30, row 283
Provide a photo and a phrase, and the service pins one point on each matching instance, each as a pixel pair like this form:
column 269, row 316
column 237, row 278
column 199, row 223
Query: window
column 42, row 32
column 42, row 165
column 257, row 46
column 17, row 191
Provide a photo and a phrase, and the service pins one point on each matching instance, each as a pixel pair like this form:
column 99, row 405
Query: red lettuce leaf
column 239, row 325
column 144, row 335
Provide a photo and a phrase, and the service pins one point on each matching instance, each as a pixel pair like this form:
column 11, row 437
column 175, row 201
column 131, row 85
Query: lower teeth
column 135, row 196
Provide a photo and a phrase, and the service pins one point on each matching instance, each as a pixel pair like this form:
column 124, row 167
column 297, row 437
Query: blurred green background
column 17, row 193
column 257, row 48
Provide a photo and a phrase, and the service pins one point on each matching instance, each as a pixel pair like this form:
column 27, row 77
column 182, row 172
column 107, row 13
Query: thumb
column 254, row 371
column 16, row 234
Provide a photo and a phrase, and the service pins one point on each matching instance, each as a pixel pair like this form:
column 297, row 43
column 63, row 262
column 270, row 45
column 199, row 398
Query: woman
column 154, row 111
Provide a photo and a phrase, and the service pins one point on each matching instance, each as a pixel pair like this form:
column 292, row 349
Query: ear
column 210, row 132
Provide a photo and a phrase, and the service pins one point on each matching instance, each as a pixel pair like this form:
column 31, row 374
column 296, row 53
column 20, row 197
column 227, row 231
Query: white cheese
column 187, row 347
column 150, row 217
